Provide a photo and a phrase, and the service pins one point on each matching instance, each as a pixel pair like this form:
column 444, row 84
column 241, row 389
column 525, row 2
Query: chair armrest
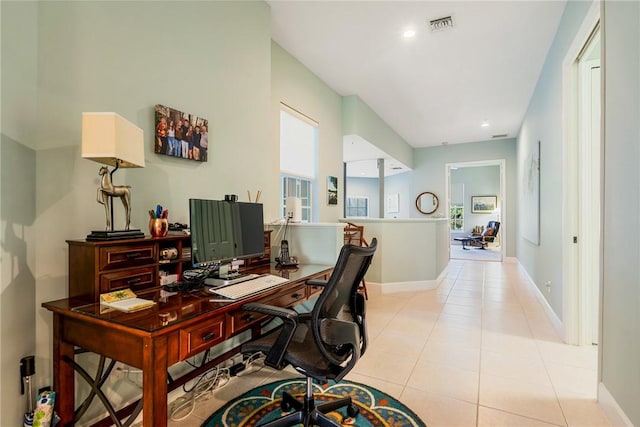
column 290, row 322
column 316, row 282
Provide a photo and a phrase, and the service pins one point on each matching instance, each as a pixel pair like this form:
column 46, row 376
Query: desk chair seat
column 324, row 344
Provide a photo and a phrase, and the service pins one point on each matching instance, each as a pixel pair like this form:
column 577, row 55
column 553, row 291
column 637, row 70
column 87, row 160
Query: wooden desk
column 176, row 328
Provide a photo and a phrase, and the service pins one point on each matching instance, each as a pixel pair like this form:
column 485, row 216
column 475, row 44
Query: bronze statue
column 107, row 190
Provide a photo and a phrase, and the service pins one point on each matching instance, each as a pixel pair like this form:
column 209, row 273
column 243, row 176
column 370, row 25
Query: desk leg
column 154, row 382
column 63, row 374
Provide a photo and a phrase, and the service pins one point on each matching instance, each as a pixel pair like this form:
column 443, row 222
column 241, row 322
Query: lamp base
column 115, row 235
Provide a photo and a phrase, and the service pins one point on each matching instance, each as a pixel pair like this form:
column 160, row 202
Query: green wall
column 294, row 85
column 620, row 343
column 360, row 119
column 17, row 203
column 430, row 170
column 543, row 122
column 212, row 59
column 478, row 181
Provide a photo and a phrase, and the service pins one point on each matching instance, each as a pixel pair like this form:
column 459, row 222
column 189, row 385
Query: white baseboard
column 557, row 324
column 611, row 409
column 376, row 288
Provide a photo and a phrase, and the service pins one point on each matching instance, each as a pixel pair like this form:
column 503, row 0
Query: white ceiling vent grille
column 441, row 24
column 502, row 135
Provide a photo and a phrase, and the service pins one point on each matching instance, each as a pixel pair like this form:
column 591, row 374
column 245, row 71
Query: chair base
column 307, row 413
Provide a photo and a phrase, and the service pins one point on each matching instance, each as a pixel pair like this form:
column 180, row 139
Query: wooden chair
column 354, row 235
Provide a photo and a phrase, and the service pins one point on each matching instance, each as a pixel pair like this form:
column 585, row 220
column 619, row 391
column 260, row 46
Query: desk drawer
column 112, row 257
column 289, row 299
column 240, row 320
column 200, row 337
column 136, row 279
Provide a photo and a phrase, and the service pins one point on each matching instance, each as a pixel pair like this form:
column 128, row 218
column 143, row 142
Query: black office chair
column 323, row 344
column 489, row 234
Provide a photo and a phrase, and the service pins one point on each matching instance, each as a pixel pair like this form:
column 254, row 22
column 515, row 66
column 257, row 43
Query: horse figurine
column 108, row 190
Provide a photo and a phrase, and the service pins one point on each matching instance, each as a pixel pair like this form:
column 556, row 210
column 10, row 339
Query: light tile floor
column 477, row 351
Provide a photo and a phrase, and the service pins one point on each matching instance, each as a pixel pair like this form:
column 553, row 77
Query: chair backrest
column 354, row 235
column 338, row 317
column 491, row 231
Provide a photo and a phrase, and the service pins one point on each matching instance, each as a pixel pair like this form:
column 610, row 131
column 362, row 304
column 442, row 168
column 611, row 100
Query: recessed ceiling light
column 485, row 124
column 408, row 34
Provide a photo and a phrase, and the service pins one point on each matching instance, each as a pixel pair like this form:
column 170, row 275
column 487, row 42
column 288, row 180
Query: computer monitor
column 222, row 231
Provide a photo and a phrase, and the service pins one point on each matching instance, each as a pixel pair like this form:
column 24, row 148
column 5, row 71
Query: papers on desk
column 125, row 300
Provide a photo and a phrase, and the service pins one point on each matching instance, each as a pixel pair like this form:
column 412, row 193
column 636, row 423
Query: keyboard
column 249, row 287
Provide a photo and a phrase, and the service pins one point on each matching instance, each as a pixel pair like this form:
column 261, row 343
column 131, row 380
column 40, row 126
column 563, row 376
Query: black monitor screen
column 222, row 231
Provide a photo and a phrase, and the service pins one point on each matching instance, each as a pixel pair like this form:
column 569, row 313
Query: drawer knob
column 209, row 336
column 248, row 318
column 133, row 255
column 296, row 296
column 134, row 281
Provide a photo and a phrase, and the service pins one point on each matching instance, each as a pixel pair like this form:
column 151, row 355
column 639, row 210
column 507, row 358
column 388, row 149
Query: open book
column 125, row 300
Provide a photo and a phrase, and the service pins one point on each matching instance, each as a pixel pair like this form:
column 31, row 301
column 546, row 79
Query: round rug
column 263, row 404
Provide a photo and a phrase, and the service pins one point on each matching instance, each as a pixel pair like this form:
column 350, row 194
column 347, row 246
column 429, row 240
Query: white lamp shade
column 108, row 138
column 294, row 209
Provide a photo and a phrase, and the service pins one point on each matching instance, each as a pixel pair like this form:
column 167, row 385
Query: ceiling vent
column 502, row 135
column 441, row 24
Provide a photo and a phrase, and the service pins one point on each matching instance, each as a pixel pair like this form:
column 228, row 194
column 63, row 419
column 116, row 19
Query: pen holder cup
column 158, row 227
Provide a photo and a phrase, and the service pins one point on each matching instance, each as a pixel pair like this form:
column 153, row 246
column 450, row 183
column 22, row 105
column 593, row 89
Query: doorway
column 464, row 183
column 583, row 192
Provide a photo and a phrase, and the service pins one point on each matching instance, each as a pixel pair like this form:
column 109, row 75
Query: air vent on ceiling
column 441, row 23
column 397, row 168
column 502, row 135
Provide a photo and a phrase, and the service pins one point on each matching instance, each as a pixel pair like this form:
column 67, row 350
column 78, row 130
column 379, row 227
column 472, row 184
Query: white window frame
column 301, row 177
column 357, row 198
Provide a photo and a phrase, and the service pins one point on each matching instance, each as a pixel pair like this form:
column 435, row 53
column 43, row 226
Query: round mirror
column 427, row 202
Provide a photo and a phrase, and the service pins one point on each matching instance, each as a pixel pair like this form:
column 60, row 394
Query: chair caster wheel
column 353, row 410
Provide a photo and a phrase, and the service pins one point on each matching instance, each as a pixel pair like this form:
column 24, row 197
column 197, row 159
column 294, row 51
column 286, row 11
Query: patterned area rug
column 263, row 404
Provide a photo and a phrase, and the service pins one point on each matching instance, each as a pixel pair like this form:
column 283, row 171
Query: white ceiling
column 438, row 86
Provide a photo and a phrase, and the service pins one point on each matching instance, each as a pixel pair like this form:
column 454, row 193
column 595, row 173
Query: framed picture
column 332, row 190
column 530, row 225
column 393, row 203
column 180, row 134
column 483, row 204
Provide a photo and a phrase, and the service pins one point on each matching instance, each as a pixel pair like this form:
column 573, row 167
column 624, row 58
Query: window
column 297, row 187
column 456, row 216
column 357, row 207
column 298, row 159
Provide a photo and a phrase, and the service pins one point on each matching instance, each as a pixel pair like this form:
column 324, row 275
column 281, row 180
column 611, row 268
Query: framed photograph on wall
column 332, row 190
column 393, row 203
column 180, row 134
column 483, row 204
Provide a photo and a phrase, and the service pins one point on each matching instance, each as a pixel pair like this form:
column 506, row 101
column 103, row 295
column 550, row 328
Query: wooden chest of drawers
column 105, row 266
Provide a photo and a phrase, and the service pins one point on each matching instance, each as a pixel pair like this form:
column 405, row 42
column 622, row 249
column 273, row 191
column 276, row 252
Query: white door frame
column 575, row 224
column 502, row 204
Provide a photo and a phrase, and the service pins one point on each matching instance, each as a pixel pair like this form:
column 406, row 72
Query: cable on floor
column 205, row 384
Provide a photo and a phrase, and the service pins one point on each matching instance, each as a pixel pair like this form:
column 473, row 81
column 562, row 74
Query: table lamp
column 110, row 139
